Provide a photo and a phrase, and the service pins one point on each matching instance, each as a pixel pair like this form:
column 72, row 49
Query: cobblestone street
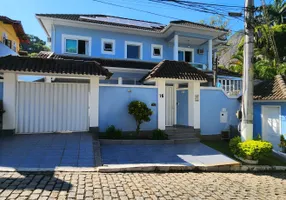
column 191, row 185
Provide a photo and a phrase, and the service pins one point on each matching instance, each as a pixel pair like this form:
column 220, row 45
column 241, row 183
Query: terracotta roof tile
column 44, row 65
column 106, row 62
column 176, row 70
column 271, row 89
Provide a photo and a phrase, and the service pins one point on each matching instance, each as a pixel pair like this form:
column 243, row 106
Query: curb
column 107, row 141
column 153, row 168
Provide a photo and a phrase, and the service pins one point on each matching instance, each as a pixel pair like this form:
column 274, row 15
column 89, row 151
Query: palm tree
column 274, row 11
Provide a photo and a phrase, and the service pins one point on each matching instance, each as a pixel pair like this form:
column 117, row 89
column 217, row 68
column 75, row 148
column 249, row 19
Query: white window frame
column 188, row 49
column 137, row 44
column 76, row 37
column 103, row 41
column 157, row 46
column 14, row 46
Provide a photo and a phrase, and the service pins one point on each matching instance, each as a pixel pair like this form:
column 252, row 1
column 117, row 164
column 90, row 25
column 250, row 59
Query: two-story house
column 11, row 35
column 99, row 63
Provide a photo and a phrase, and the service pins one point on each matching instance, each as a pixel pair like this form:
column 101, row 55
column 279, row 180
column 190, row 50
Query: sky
column 25, row 11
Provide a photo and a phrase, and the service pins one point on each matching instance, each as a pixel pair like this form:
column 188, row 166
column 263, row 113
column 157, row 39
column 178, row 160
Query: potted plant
column 282, row 144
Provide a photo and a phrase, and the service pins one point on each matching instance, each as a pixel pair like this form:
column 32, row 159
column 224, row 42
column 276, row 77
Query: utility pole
column 247, row 98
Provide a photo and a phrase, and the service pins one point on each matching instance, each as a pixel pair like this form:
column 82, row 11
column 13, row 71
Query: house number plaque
column 197, row 97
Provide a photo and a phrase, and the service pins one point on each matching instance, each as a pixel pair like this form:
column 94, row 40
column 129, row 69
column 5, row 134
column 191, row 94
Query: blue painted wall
column 257, row 121
column 113, row 107
column 182, row 107
column 212, row 103
column 120, row 39
column 1, row 90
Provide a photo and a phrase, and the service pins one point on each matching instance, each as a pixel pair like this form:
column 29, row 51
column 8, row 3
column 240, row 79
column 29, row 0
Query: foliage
column 216, row 21
column 35, row 45
column 113, row 133
column 233, row 143
column 250, row 149
column 140, row 112
column 159, row 135
column 282, row 142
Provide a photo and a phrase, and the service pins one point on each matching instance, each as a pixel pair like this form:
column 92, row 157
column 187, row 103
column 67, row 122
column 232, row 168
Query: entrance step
column 182, row 134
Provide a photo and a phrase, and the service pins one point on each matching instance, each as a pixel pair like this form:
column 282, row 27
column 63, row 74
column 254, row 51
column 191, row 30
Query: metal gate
column 52, row 107
column 170, row 106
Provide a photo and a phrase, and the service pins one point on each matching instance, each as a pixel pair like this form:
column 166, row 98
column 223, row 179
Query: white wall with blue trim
column 113, row 107
column 120, row 38
column 257, row 117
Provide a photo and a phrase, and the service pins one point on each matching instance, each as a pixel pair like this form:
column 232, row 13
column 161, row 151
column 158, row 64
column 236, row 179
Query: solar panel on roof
column 124, row 21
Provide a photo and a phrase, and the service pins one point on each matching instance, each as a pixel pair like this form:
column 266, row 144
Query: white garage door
column 271, row 125
column 52, row 107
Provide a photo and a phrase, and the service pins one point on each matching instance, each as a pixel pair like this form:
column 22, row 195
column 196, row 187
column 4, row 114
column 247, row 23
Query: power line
column 139, row 10
column 130, row 8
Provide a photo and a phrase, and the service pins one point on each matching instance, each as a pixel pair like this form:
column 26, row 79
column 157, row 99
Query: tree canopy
column 35, row 45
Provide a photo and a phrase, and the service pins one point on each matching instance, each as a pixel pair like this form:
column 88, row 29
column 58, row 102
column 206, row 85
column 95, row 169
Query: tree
column 35, row 45
column 140, row 112
column 216, row 21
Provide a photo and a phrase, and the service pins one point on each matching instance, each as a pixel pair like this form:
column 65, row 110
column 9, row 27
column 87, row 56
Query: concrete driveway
column 47, row 150
column 194, row 154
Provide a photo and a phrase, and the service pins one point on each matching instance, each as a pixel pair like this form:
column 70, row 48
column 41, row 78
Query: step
column 187, row 141
column 181, row 134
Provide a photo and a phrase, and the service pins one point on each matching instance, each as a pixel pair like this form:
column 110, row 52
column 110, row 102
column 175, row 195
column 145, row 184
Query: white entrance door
column 170, row 106
column 52, row 107
column 271, row 125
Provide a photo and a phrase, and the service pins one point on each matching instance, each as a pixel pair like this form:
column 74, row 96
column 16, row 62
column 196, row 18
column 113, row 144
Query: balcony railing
column 200, row 66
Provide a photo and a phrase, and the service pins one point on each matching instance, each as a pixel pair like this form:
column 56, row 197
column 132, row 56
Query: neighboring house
column 270, row 110
column 11, row 35
column 100, row 63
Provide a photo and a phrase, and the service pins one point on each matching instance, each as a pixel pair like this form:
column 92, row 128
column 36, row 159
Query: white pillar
column 119, row 80
column 94, row 103
column 48, row 79
column 161, row 104
column 9, row 103
column 194, row 109
column 176, row 47
column 210, row 55
column 175, row 101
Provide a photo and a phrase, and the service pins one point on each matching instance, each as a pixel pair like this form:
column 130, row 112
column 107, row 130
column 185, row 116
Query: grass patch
column 222, row 146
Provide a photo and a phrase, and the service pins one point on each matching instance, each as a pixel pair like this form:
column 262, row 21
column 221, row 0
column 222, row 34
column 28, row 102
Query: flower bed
column 250, row 151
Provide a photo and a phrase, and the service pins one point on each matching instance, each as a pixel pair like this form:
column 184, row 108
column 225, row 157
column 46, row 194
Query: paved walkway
column 191, row 185
column 47, row 150
column 195, row 154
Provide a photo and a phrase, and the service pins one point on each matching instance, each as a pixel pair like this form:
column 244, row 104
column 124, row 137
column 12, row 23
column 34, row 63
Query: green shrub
column 233, row 143
column 159, row 135
column 140, row 112
column 113, row 133
column 250, row 149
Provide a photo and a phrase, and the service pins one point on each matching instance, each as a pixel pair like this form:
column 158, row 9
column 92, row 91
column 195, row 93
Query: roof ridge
column 103, row 15
column 281, row 83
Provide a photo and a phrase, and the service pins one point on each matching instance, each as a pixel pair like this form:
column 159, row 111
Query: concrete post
column 210, row 55
column 94, row 104
column 161, row 104
column 176, row 47
column 194, row 110
column 9, row 103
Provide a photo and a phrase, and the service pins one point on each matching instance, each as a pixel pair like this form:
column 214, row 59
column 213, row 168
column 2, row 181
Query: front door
column 170, row 106
column 271, row 125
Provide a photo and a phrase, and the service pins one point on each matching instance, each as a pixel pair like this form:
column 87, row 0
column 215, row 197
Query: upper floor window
column 186, row 54
column 156, row 51
column 107, row 46
column 133, row 50
column 76, row 44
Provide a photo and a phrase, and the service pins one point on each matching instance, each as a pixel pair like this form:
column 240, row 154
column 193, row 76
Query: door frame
column 263, row 118
column 184, row 49
column 174, row 105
